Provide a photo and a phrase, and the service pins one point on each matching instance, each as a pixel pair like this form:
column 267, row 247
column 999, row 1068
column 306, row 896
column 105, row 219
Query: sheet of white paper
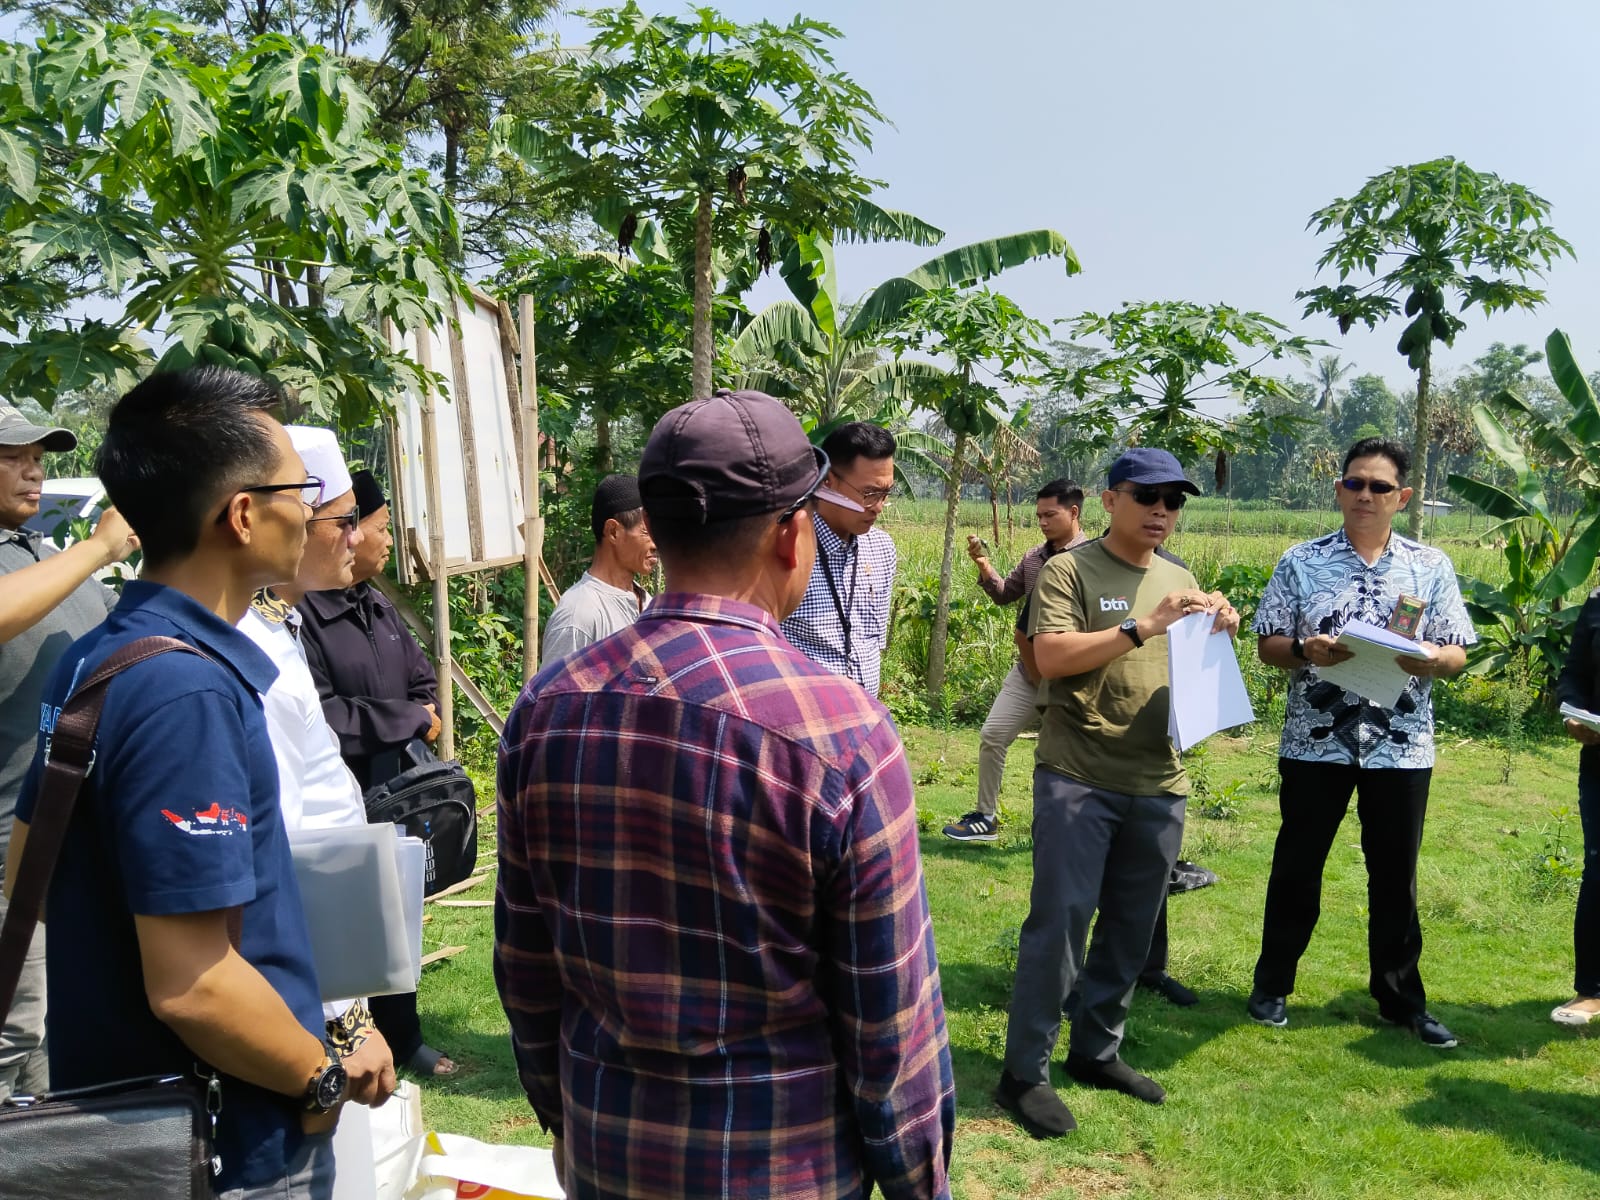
column 1583, row 716
column 1208, row 692
column 1372, row 671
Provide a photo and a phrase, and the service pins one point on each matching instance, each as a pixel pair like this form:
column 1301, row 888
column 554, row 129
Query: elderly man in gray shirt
column 49, row 600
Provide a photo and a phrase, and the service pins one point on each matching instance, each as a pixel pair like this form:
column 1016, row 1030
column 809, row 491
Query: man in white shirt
column 607, row 597
column 316, row 789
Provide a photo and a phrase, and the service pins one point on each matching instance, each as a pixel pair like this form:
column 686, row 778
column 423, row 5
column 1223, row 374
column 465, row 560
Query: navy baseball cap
column 1150, row 467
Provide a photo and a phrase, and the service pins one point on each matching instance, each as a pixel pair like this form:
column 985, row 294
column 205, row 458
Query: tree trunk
column 994, row 514
column 1419, row 449
column 700, row 345
column 602, row 443
column 940, row 634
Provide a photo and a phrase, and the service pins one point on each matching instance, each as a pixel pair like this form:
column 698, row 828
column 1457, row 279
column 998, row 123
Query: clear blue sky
column 1181, row 146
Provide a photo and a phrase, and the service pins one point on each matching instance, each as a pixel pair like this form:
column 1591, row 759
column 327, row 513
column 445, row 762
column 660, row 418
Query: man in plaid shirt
column 712, row 937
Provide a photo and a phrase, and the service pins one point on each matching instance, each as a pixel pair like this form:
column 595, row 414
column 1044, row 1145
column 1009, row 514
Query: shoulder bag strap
column 69, row 756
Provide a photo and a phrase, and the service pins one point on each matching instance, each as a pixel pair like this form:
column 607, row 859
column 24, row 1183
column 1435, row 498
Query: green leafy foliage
column 1423, row 236
column 1525, row 620
column 238, row 212
column 1165, row 358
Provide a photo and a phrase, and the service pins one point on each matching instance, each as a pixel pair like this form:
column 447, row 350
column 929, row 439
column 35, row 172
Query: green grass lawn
column 1337, row 1105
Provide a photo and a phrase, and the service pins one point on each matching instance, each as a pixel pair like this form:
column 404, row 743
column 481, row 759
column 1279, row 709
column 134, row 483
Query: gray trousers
column 1091, row 849
column 1014, row 711
column 24, row 1067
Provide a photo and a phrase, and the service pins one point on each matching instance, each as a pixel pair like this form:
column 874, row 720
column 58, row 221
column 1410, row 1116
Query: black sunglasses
column 348, row 521
column 1172, row 498
column 1378, row 486
column 309, row 490
column 823, row 467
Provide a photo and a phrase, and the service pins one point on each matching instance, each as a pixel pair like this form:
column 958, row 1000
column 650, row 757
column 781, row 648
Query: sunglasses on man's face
column 1378, row 486
column 1172, row 498
column 344, row 522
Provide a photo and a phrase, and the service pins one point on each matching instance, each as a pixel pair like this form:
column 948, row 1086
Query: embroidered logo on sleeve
column 211, row 822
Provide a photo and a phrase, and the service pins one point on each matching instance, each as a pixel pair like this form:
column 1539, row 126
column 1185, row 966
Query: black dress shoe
column 1114, row 1075
column 1169, row 989
column 1268, row 1010
column 1035, row 1105
column 1429, row 1029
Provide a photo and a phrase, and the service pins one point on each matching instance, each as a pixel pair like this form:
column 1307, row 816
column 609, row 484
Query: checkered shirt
column 711, row 934
column 863, row 572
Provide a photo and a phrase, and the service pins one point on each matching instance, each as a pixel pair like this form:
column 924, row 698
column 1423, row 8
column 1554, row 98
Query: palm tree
column 1328, row 374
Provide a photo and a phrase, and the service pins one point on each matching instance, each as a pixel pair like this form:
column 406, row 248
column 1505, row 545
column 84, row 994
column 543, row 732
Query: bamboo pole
column 533, row 522
column 436, row 564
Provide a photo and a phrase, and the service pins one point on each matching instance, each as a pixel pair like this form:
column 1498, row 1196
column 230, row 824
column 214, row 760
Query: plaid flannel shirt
column 863, row 573
column 712, row 936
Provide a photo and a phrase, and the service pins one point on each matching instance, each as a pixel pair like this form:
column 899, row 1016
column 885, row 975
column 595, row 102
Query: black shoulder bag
column 433, row 800
column 134, row 1139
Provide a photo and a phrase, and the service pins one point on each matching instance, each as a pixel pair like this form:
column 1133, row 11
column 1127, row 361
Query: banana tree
column 980, row 331
column 1527, row 620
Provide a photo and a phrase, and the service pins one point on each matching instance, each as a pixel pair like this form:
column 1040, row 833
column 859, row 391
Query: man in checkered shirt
column 843, row 621
column 711, row 935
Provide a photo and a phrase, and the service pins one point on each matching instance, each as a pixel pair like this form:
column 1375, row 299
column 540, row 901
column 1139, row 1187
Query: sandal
column 428, row 1061
column 1570, row 1014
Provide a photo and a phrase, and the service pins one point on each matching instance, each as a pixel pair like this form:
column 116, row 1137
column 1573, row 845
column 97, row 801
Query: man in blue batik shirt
column 1335, row 742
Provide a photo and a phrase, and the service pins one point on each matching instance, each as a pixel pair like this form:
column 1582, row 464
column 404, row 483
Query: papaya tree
column 991, row 343
column 236, row 213
column 724, row 134
column 1423, row 237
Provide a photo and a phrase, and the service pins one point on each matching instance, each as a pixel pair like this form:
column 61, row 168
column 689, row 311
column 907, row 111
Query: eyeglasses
column 824, row 466
column 347, row 521
column 309, row 491
column 1171, row 498
column 1378, row 486
column 871, row 497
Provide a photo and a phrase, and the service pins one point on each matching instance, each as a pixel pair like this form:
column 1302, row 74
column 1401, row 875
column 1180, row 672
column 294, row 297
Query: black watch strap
column 1298, row 648
column 1131, row 628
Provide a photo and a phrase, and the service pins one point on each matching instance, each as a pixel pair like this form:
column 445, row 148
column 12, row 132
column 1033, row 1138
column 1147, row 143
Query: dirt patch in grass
column 1102, row 1178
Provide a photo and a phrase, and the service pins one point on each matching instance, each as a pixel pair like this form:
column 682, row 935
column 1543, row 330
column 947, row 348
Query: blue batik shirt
column 1317, row 588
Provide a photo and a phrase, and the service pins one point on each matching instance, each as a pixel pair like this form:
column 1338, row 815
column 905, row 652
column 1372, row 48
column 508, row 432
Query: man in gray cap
column 693, row 810
column 1108, row 788
column 607, row 597
column 50, row 599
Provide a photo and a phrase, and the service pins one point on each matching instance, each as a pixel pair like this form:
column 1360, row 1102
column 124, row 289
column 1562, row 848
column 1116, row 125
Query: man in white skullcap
column 316, row 789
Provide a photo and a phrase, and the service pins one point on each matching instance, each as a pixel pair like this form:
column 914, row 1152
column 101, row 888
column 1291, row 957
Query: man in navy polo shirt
column 178, row 826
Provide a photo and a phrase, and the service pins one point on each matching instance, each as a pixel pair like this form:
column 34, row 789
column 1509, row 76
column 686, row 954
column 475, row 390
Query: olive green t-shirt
column 1108, row 728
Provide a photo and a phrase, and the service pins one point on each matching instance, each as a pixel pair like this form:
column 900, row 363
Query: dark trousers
column 1155, row 963
column 396, row 1018
column 1586, row 924
column 1391, row 805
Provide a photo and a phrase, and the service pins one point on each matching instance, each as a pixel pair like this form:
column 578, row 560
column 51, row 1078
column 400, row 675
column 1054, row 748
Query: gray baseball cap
column 732, row 454
column 17, row 430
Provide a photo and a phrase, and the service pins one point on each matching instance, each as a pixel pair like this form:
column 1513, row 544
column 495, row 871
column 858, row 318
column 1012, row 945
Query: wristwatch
column 1131, row 628
column 325, row 1089
column 1298, row 648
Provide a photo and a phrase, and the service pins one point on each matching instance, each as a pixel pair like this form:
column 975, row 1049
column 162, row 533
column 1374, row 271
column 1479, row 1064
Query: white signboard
column 476, row 424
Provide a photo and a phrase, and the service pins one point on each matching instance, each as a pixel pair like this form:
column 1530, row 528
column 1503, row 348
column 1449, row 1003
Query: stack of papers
column 1582, row 716
column 1371, row 672
column 1207, row 690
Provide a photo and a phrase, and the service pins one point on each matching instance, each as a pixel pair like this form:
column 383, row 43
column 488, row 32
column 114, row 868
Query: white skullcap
column 319, row 450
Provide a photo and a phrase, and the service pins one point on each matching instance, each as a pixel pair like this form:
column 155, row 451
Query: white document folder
column 1372, row 672
column 366, row 932
column 1206, row 687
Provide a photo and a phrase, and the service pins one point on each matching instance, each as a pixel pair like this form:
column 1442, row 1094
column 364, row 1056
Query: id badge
column 1406, row 619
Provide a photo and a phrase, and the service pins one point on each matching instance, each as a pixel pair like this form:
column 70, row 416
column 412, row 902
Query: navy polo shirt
column 178, row 815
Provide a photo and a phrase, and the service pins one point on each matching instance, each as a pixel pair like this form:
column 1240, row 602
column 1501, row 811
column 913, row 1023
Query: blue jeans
column 1586, row 922
column 309, row 1175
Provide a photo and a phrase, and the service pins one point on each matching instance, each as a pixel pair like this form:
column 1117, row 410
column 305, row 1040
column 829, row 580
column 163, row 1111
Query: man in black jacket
column 379, row 690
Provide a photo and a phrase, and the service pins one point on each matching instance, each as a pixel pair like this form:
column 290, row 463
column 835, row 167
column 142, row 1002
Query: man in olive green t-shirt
column 1108, row 788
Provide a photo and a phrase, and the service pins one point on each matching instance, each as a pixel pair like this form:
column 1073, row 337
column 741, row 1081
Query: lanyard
column 842, row 609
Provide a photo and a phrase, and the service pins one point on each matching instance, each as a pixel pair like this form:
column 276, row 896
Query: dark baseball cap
column 1149, row 466
column 17, row 430
column 731, row 455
